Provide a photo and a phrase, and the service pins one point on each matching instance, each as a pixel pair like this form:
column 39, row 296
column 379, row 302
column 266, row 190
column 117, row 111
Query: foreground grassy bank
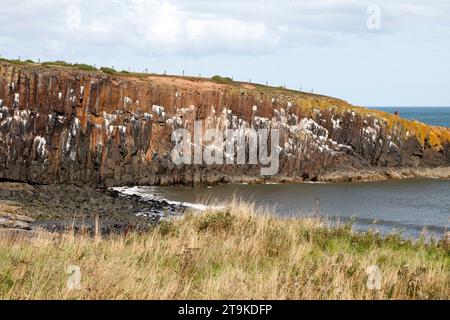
column 234, row 253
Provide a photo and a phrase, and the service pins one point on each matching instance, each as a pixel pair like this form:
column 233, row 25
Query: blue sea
column 436, row 116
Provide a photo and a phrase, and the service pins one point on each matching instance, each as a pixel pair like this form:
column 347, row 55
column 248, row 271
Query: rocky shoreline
column 387, row 174
column 352, row 176
column 26, row 208
column 59, row 208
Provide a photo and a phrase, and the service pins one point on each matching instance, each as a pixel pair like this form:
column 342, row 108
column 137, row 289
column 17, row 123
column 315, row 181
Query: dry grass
column 234, row 253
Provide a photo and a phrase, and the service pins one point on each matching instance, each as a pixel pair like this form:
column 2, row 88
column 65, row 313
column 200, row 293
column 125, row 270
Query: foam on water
column 149, row 193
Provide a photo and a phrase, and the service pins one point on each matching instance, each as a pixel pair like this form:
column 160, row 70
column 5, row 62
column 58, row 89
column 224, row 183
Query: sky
column 370, row 53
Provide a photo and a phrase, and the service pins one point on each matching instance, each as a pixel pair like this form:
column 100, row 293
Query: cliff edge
column 64, row 125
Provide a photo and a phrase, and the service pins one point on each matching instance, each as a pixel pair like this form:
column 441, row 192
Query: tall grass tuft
column 236, row 252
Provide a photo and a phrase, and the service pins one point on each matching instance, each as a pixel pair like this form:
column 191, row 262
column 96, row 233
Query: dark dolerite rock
column 61, row 208
column 61, row 125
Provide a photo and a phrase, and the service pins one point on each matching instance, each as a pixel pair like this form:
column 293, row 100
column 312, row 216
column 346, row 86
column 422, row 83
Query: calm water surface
column 411, row 205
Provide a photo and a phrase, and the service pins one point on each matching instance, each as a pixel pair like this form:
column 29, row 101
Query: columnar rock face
column 61, row 125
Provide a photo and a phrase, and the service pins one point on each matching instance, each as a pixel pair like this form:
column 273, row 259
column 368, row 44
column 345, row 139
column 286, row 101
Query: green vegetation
column 81, row 66
column 238, row 252
column 57, row 63
column 13, row 61
column 85, row 67
column 108, row 70
column 223, row 80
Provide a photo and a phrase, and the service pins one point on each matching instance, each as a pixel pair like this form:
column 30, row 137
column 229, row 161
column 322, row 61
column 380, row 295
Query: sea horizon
column 393, row 106
column 436, row 116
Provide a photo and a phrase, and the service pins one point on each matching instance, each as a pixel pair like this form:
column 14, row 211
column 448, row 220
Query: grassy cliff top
column 217, row 79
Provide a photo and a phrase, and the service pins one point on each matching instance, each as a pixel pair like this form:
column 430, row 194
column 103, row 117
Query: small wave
column 316, row 182
column 149, row 194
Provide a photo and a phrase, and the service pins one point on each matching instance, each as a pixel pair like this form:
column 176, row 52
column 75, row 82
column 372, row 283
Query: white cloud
column 166, row 28
column 159, row 23
column 204, row 27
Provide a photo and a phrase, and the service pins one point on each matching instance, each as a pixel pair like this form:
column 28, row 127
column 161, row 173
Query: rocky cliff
column 62, row 125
